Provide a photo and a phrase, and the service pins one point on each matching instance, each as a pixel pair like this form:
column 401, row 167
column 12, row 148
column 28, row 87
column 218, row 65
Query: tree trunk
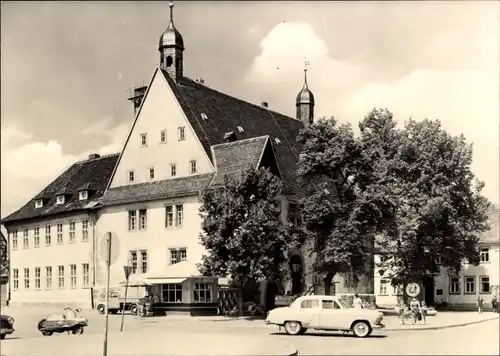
column 240, row 300
column 328, row 283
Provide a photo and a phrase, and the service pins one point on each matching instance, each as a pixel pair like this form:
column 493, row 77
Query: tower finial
column 171, row 5
column 306, row 64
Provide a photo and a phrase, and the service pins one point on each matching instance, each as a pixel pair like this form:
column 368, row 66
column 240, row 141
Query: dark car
column 6, row 325
column 58, row 323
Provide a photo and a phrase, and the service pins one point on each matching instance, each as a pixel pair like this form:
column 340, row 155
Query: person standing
column 479, row 304
column 423, row 312
column 415, row 309
column 494, row 304
column 357, row 302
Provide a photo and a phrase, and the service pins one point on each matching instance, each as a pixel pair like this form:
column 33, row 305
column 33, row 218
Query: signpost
column 127, row 270
column 109, row 253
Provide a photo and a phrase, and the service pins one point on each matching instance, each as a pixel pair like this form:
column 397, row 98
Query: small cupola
column 62, row 195
column 305, row 103
column 171, row 47
column 85, row 191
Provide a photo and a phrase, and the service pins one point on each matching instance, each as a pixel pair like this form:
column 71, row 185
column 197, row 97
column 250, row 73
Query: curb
column 440, row 327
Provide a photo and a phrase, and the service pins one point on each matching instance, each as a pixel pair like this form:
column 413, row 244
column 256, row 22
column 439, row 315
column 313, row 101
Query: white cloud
column 466, row 101
column 27, row 167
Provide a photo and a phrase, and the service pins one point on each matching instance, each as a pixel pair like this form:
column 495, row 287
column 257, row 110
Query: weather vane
column 306, row 63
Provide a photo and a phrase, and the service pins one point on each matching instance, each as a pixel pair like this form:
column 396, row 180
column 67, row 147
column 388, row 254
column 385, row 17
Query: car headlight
column 11, row 320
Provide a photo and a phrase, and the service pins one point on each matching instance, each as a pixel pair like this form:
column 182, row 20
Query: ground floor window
column 26, row 278
column 485, row 284
column 202, row 292
column 470, row 285
column 15, row 278
column 171, row 293
column 454, row 285
column 383, row 287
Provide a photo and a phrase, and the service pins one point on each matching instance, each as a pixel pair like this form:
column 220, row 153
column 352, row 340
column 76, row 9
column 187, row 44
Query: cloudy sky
column 66, row 68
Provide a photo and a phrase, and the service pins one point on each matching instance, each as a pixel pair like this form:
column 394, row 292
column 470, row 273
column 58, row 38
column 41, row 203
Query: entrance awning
column 166, row 280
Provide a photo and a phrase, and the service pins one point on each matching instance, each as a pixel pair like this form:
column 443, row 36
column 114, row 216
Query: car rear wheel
column 101, row 308
column 134, row 309
column 361, row 329
column 293, row 327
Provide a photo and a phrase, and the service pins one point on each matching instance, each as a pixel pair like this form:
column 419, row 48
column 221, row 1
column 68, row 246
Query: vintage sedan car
column 6, row 325
column 324, row 312
column 58, row 323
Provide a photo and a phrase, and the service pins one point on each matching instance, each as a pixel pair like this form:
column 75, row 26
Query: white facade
column 51, row 261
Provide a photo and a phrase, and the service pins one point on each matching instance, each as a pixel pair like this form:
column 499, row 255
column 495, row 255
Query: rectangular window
column 350, row 281
column 178, row 255
column 202, row 293
column 83, row 195
column 25, row 238
column 37, row 277
column 144, row 139
column 13, row 235
column 15, row 279
column 133, row 260
column 454, row 285
column 85, row 275
column 143, row 219
column 485, row 285
column 484, row 254
column 310, row 304
column 131, row 176
column 60, row 276
column 36, row 236
column 48, row 237
column 144, row 261
column 85, row 230
column 72, row 231
column 132, row 220
column 179, row 215
column 59, row 233
column 383, row 287
column 151, row 173
column 193, row 167
column 470, row 285
column 397, row 290
column 26, row 278
column 181, row 133
column 169, row 216
column 173, row 170
column 171, row 293
column 48, row 277
column 163, row 136
column 72, row 276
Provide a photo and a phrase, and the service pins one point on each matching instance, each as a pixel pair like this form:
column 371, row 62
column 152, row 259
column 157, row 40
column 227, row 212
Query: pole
column 124, row 304
column 108, row 263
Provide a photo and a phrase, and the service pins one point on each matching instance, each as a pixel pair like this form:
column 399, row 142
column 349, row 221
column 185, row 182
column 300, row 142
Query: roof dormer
column 61, row 196
column 84, row 191
column 41, row 199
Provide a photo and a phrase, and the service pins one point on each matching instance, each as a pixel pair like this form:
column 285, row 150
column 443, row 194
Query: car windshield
column 342, row 304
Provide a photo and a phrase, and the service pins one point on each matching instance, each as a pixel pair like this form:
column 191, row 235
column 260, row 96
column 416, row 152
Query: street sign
column 128, row 271
column 115, row 248
column 412, row 289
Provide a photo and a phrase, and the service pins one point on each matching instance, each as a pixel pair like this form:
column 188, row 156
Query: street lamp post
column 127, row 270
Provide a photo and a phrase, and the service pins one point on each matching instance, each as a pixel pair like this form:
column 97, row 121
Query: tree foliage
column 337, row 212
column 433, row 204
column 242, row 230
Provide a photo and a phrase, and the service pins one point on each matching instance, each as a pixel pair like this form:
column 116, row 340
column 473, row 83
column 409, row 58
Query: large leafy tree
column 242, row 230
column 433, row 202
column 339, row 212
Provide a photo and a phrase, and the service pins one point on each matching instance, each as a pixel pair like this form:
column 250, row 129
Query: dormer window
column 277, row 140
column 83, row 195
column 240, row 129
column 204, row 116
column 38, row 203
column 60, row 199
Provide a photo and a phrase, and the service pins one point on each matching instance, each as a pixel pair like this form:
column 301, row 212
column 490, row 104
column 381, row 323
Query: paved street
column 249, row 337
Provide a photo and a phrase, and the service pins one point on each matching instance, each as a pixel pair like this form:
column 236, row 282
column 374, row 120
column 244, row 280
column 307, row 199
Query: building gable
column 160, row 137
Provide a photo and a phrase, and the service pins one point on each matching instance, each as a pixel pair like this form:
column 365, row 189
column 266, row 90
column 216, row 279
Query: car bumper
column 378, row 326
column 7, row 331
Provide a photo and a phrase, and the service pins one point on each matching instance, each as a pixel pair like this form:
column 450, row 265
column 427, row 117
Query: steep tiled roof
column 225, row 113
column 233, row 158
column 168, row 188
column 95, row 171
column 493, row 234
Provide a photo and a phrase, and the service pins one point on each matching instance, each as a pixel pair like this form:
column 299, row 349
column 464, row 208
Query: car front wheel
column 293, row 327
column 101, row 308
column 361, row 329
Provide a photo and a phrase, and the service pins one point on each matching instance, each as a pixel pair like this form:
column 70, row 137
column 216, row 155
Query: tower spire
column 171, row 47
column 171, row 5
column 305, row 101
column 306, row 64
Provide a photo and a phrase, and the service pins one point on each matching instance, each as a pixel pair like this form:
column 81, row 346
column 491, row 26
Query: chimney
column 264, row 104
column 199, row 80
column 137, row 97
column 94, row 156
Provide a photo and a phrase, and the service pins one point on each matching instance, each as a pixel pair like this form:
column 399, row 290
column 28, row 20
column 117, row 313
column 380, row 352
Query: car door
column 309, row 313
column 329, row 317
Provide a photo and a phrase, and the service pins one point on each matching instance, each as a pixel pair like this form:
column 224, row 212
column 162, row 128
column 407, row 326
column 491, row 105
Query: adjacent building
column 52, row 238
column 4, row 269
column 458, row 292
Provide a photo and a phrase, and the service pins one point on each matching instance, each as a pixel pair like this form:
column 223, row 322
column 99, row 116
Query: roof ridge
column 97, row 158
column 235, row 143
column 238, row 99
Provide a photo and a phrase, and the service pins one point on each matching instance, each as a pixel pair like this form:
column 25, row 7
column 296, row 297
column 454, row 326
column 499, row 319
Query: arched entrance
column 297, row 272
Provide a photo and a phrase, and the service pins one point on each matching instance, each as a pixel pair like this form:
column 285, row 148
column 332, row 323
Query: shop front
column 182, row 291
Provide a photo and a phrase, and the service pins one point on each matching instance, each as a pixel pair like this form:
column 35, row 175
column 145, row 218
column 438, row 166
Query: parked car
column 6, row 326
column 58, row 323
column 323, row 312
